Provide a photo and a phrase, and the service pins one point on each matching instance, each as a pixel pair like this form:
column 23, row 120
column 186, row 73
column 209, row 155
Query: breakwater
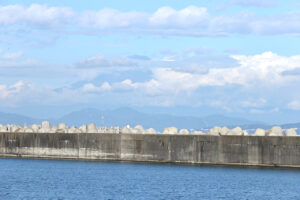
column 279, row 151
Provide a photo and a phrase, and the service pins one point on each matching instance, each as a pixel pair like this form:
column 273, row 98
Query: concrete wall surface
column 195, row 149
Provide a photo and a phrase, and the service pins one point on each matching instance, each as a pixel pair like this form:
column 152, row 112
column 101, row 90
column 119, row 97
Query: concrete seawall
column 277, row 151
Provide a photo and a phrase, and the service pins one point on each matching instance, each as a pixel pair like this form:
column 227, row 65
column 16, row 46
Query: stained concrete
column 195, row 149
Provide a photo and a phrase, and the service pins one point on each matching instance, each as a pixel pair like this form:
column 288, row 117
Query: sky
column 227, row 57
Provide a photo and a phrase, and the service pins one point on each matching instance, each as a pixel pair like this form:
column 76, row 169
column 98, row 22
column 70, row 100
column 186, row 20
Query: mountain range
column 123, row 116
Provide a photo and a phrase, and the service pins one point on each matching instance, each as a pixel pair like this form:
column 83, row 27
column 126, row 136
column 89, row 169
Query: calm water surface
column 49, row 179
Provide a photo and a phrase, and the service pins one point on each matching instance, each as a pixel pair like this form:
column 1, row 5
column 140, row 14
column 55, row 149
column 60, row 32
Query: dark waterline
column 51, row 179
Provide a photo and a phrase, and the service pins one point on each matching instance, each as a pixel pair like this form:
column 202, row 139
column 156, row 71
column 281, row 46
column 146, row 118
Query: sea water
column 51, row 179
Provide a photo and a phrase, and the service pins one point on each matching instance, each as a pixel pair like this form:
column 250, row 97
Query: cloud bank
column 262, row 70
column 189, row 21
column 252, row 85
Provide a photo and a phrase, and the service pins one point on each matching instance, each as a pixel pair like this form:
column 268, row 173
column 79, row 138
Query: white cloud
column 125, row 85
column 111, row 18
column 193, row 69
column 14, row 55
column 8, row 91
column 294, row 105
column 90, row 68
column 169, row 17
column 89, row 74
column 168, row 59
column 263, row 71
column 262, row 111
column 191, row 21
column 18, row 63
column 254, row 103
column 28, row 93
column 216, row 87
column 15, row 59
column 35, row 14
column 99, row 61
column 92, row 88
column 197, row 21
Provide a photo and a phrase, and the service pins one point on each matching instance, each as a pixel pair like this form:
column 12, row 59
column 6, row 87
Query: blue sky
column 230, row 57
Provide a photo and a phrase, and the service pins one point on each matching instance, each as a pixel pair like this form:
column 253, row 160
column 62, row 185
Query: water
column 50, row 179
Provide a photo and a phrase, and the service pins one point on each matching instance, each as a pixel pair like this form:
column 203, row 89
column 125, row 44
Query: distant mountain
column 291, row 125
column 8, row 118
column 220, row 120
column 123, row 116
